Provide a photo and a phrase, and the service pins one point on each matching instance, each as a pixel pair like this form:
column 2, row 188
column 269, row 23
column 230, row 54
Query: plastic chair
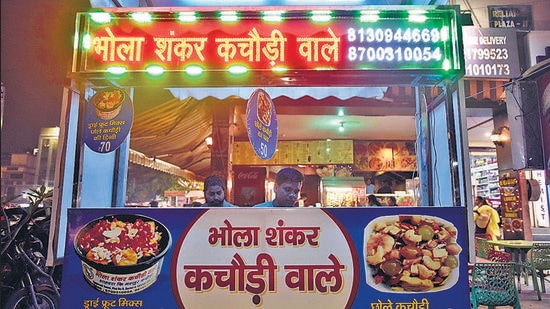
column 493, row 285
column 499, row 256
column 493, row 256
column 483, row 248
column 539, row 262
column 482, row 235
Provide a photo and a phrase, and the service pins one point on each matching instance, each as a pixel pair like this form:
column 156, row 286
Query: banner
column 406, row 257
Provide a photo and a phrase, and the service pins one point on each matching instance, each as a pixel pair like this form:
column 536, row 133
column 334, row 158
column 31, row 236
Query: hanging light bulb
column 208, row 140
column 341, row 128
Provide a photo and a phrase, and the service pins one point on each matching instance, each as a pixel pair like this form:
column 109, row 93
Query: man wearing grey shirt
column 214, row 192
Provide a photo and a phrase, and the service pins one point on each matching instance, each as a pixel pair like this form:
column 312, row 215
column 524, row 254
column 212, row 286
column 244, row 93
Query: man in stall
column 288, row 183
column 214, row 192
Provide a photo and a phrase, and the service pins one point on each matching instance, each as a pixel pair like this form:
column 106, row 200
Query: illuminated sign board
column 424, row 40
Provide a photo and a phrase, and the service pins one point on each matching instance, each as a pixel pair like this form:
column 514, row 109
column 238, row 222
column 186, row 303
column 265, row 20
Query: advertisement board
column 109, row 118
column 511, row 207
column 398, row 257
column 491, row 53
column 375, row 39
column 249, row 185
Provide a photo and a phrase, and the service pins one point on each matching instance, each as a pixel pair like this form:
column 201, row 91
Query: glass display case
column 342, row 191
column 401, row 199
column 350, row 192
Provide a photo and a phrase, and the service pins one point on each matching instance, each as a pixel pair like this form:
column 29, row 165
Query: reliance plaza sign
column 276, row 42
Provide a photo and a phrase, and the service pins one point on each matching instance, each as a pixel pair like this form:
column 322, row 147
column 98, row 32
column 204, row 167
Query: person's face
column 214, row 196
column 287, row 193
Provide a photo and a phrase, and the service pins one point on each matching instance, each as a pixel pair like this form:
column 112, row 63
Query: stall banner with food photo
column 407, row 257
column 108, row 120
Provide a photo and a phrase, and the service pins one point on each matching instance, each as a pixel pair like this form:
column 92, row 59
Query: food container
column 108, row 102
column 121, row 276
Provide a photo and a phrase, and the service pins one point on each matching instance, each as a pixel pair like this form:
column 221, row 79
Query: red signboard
column 344, row 40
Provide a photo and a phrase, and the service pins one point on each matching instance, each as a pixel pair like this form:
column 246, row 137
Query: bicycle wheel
column 21, row 299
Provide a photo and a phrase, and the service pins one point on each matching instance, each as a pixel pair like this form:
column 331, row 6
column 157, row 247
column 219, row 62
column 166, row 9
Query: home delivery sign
column 422, row 38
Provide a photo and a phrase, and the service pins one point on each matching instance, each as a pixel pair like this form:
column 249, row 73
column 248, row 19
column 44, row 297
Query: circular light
column 100, row 17
column 187, row 17
column 321, row 16
column 142, row 17
column 155, row 70
column 229, row 16
column 279, row 69
column 238, row 69
column 117, row 70
column 272, row 16
column 193, row 70
column 369, row 16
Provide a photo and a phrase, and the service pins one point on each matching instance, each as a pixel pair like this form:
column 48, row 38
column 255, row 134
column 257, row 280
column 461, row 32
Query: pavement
column 528, row 297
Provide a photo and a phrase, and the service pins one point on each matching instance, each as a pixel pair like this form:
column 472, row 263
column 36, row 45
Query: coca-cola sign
column 249, row 185
column 248, row 176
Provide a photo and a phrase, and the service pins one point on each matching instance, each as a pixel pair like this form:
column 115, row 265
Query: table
column 518, row 249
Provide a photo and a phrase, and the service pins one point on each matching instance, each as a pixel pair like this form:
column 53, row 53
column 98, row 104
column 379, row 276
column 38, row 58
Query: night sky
column 37, row 38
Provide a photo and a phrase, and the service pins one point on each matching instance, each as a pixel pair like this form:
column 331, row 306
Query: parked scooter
column 26, row 280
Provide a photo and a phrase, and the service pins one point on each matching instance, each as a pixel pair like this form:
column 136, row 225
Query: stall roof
column 171, row 125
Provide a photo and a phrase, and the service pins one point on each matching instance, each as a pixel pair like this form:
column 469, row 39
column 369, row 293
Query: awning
column 484, row 91
column 291, row 92
column 171, row 125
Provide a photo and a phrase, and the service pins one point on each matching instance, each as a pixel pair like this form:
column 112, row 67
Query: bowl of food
column 411, row 254
column 108, row 102
column 264, row 107
column 122, row 254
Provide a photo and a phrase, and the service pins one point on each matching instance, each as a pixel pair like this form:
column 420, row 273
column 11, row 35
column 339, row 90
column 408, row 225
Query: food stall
column 242, row 257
